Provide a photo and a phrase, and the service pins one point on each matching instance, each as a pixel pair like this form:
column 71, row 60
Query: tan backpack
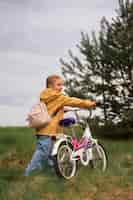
column 38, row 116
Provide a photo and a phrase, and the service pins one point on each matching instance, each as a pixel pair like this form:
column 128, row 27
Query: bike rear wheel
column 99, row 158
column 64, row 166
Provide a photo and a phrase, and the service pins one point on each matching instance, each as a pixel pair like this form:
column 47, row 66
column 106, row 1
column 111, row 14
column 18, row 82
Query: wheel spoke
column 99, row 159
column 66, row 167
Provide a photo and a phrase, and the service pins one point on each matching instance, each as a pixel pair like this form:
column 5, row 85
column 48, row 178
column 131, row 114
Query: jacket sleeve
column 76, row 102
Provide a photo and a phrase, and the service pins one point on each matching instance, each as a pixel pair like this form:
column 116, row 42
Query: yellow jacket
column 55, row 102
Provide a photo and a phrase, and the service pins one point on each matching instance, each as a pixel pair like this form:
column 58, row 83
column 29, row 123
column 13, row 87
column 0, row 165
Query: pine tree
column 106, row 70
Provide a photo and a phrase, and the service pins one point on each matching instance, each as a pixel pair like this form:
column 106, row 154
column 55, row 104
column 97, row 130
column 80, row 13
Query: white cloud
column 13, row 115
column 23, row 75
column 34, row 35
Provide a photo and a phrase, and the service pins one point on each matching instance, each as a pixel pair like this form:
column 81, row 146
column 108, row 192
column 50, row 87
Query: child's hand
column 93, row 104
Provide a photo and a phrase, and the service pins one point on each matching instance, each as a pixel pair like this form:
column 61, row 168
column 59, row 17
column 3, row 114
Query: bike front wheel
column 64, row 166
column 99, row 158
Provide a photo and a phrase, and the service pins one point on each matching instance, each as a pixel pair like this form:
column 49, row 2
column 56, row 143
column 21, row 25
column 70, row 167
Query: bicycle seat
column 66, row 122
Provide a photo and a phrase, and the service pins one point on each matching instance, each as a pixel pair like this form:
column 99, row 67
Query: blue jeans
column 41, row 154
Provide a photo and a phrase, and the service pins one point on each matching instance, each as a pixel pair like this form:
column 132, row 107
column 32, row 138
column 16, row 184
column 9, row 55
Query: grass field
column 16, row 148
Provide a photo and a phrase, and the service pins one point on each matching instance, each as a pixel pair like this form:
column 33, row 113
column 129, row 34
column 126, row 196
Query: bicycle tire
column 57, row 163
column 96, row 150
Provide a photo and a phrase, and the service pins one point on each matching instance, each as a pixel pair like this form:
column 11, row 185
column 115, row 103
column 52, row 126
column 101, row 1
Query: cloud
column 23, row 76
column 13, row 115
column 30, row 25
column 34, row 35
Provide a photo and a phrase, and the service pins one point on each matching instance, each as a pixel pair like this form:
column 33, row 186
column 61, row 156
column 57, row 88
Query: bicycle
column 68, row 150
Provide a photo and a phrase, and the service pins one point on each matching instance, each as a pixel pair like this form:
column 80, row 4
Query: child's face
column 58, row 85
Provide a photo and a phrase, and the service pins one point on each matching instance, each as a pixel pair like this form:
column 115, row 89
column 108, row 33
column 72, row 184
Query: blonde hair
column 51, row 79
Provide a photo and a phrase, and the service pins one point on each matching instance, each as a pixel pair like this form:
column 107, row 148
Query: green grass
column 16, row 148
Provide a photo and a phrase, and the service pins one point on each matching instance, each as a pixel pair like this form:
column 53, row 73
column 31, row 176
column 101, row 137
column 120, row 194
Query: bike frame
column 83, row 146
column 60, row 139
column 86, row 143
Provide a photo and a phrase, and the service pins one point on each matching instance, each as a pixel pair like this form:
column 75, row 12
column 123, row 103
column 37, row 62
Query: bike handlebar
column 75, row 110
column 70, row 109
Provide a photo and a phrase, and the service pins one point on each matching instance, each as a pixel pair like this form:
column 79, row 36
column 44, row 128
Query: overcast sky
column 34, row 35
